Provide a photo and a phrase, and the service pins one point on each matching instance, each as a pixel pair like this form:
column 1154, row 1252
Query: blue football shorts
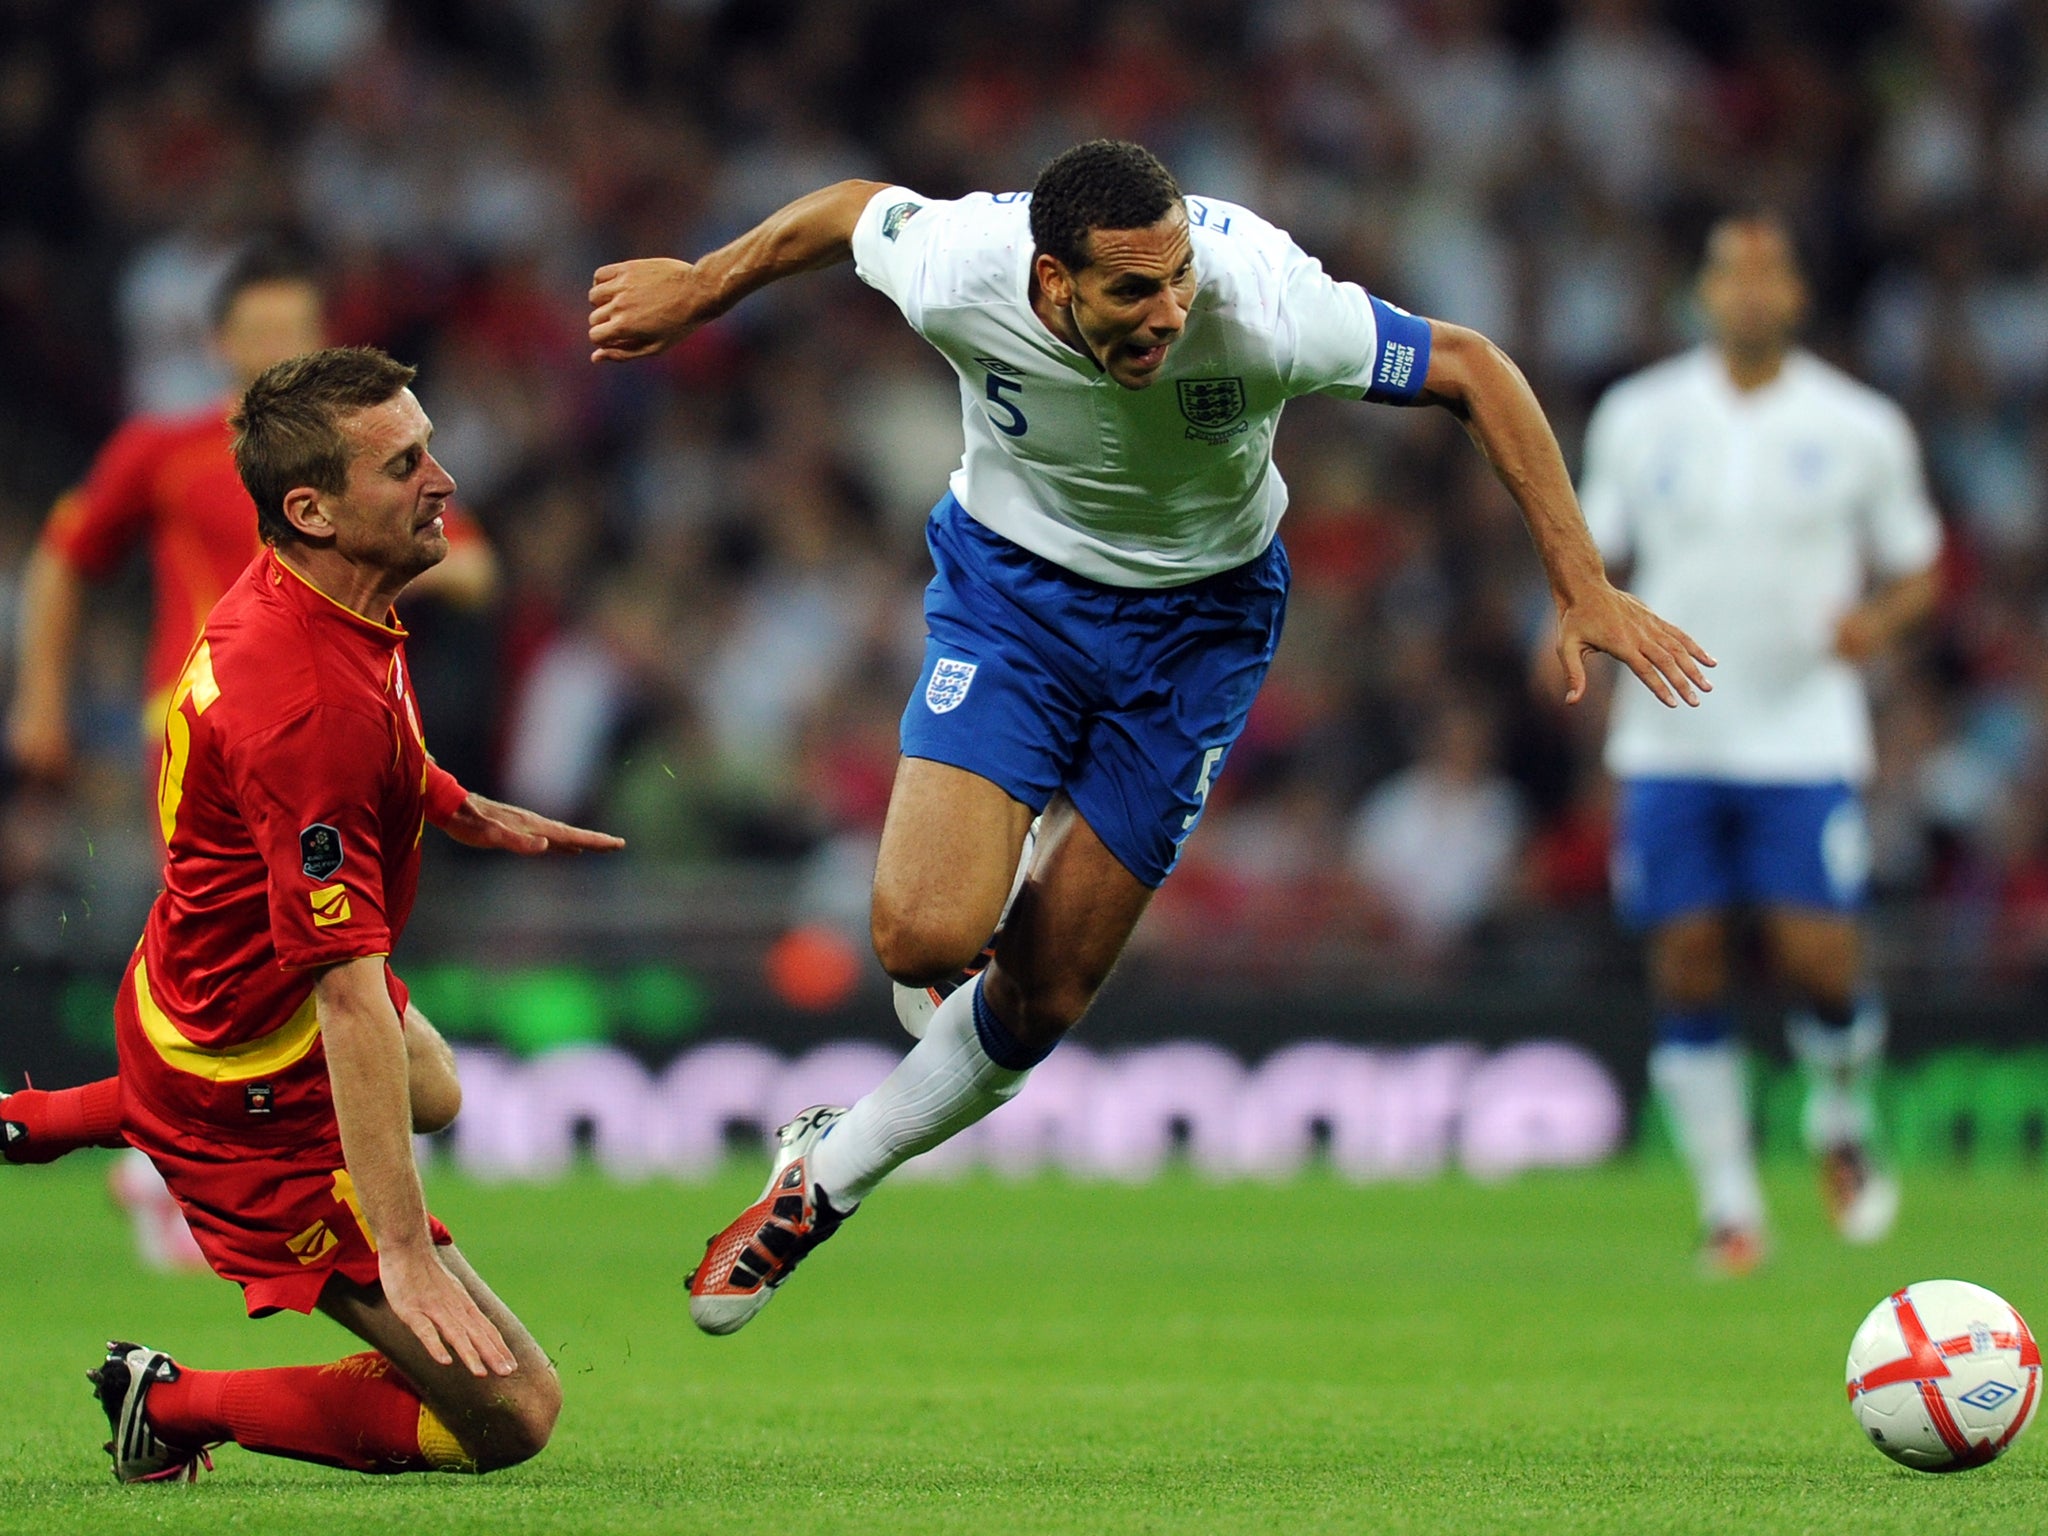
column 1694, row 845
column 1128, row 699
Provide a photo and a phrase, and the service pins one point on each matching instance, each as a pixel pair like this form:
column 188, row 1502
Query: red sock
column 61, row 1120
column 357, row 1413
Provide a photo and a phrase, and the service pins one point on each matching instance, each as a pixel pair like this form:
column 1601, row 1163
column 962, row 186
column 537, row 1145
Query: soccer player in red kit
column 263, row 1037
column 168, row 484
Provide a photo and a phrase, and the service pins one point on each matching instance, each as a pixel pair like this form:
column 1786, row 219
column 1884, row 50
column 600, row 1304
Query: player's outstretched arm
column 1887, row 614
column 38, row 723
column 482, row 823
column 1479, row 383
column 639, row 308
column 366, row 1064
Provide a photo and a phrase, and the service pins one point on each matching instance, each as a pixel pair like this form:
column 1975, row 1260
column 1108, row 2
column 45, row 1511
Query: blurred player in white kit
column 1768, row 499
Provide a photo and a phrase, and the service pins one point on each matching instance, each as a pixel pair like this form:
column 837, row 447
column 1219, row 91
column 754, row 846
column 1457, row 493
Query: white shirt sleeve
column 1601, row 494
column 893, row 243
column 1904, row 531
column 1329, row 336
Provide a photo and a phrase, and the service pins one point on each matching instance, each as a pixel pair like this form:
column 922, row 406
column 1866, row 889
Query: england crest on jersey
column 948, row 688
column 1211, row 403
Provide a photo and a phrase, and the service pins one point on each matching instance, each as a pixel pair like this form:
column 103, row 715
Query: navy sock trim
column 998, row 1044
column 1695, row 1026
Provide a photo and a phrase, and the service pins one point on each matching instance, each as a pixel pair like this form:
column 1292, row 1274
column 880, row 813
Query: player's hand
column 1669, row 662
column 442, row 1314
column 40, row 746
column 639, row 308
column 1860, row 635
column 485, row 823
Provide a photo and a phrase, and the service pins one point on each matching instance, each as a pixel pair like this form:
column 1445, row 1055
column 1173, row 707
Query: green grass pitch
column 1049, row 1356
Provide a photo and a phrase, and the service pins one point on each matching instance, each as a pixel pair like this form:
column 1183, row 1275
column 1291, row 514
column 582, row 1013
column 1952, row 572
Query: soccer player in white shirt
column 1773, row 501
column 1108, row 591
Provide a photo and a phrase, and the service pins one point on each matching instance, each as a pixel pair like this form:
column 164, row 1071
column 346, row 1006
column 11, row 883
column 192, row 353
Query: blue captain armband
column 1403, row 360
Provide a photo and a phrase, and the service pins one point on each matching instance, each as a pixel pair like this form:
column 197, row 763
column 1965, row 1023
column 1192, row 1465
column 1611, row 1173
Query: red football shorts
column 278, row 1216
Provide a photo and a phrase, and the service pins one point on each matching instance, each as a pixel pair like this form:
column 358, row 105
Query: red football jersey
column 292, row 801
column 170, row 481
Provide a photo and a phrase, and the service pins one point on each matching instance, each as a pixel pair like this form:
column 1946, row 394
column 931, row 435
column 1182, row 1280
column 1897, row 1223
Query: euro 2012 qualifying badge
column 897, row 216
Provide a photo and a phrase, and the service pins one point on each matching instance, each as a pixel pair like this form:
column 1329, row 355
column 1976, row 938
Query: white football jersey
column 1754, row 522
column 1135, row 488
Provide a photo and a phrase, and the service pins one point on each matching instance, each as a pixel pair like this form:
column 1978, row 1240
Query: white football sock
column 1841, row 1070
column 944, row 1085
column 1705, row 1093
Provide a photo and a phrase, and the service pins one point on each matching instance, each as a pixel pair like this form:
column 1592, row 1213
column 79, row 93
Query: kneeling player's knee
column 918, row 950
column 523, row 1425
column 431, row 1079
column 435, row 1105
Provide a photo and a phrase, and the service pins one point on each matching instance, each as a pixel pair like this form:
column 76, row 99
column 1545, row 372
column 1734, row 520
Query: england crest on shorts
column 948, row 688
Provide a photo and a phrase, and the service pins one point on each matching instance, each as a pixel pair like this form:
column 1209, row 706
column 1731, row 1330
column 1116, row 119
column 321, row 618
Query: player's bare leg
column 1073, row 917
column 435, row 1090
column 391, row 1410
column 1069, row 922
column 1838, row 1035
column 499, row 1420
column 1689, row 961
column 1698, row 1070
column 950, row 844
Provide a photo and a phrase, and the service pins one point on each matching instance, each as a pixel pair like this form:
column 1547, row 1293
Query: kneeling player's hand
column 442, row 1314
column 1669, row 662
column 485, row 823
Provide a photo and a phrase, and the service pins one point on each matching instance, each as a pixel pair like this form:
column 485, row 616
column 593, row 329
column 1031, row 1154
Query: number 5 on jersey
column 1002, row 410
column 197, row 688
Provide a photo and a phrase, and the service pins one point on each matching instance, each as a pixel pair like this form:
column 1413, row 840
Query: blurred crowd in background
column 708, row 614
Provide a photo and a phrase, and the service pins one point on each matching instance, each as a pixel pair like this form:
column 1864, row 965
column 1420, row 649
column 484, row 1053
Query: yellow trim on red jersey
column 283, row 1047
column 154, row 709
column 393, row 628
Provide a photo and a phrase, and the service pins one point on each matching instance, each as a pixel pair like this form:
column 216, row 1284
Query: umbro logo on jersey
column 330, row 906
column 997, row 365
column 313, row 1244
column 898, row 216
column 319, row 850
column 1211, row 403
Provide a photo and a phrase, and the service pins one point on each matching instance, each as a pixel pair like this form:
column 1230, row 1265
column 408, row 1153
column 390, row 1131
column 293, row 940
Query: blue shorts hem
column 1685, row 846
column 1021, row 793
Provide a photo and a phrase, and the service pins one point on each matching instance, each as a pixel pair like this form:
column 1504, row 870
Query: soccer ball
column 1943, row 1376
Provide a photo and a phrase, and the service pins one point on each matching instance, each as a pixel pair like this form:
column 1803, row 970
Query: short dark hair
column 258, row 263
column 1103, row 184
column 288, row 426
column 1757, row 216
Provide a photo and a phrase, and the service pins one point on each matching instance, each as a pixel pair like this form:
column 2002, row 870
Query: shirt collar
column 302, row 594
